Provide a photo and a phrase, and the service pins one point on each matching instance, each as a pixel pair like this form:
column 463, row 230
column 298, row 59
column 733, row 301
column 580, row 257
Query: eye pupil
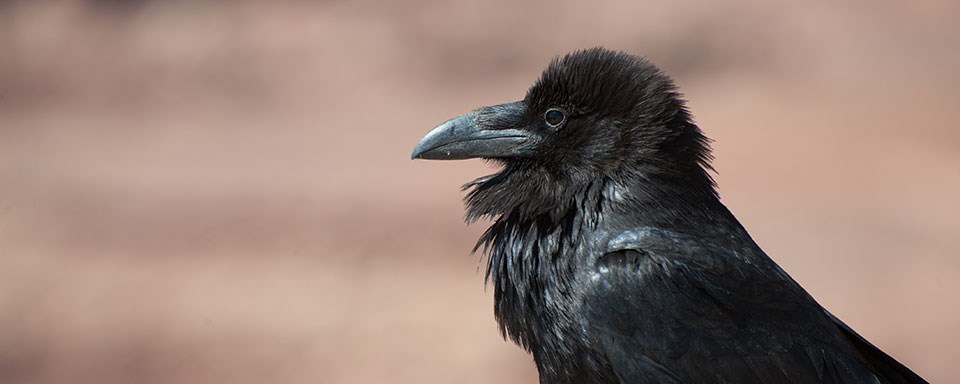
column 554, row 117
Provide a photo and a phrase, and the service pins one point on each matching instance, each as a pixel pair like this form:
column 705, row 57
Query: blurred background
column 221, row 192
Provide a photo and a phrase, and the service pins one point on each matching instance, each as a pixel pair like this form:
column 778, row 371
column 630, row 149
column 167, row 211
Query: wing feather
column 671, row 309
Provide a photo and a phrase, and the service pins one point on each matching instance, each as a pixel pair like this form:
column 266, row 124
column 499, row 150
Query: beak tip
column 417, row 151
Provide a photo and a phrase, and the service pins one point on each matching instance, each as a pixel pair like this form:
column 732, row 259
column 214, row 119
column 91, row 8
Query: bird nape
column 610, row 255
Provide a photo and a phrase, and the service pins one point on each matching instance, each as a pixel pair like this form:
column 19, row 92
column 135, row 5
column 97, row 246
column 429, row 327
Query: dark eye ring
column 554, row 117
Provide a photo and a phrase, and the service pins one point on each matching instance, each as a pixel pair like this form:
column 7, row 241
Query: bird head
column 593, row 117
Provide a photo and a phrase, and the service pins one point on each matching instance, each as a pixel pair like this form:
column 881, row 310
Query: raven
column 611, row 257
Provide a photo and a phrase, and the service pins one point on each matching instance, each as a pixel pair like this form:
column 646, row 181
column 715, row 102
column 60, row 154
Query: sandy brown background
column 221, row 192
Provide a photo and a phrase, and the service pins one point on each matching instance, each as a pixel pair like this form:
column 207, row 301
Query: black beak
column 489, row 132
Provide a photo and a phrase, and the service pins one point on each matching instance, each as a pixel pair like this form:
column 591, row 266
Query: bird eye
column 554, row 117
